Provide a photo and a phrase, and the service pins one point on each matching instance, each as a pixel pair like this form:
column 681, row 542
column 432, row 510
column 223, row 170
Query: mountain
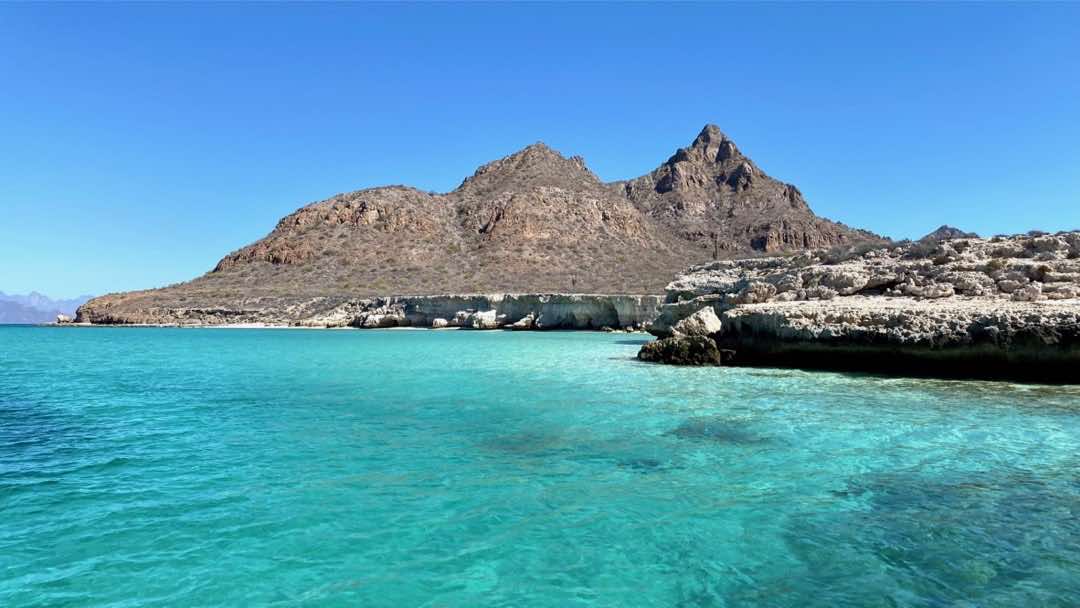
column 14, row 312
column 711, row 194
column 946, row 232
column 36, row 308
column 532, row 222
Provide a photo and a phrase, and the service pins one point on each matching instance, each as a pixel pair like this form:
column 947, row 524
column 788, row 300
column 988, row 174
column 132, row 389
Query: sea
column 296, row 467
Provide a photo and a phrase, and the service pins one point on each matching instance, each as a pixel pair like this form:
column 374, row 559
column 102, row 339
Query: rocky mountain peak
column 533, row 166
column 713, row 146
column 946, row 232
column 711, row 193
column 709, row 169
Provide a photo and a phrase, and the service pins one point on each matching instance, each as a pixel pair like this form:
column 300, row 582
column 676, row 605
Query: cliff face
column 533, row 222
column 999, row 308
column 470, row 311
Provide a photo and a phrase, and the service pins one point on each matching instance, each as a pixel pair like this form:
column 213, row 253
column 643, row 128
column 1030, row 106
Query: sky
column 139, row 143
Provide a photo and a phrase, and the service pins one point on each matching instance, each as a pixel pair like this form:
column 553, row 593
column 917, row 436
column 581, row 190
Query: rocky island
column 556, row 246
column 1004, row 307
column 536, row 241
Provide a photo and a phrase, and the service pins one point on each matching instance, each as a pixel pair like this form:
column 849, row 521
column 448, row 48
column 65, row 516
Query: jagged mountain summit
column 713, row 195
column 946, row 232
column 532, row 222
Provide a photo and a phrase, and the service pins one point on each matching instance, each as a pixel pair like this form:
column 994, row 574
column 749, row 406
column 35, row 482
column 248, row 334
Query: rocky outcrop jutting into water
column 1006, row 307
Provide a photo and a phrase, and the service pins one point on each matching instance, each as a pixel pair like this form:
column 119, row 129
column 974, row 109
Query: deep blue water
column 201, row 467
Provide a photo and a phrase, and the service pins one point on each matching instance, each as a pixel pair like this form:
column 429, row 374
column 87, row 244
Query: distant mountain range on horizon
column 36, row 307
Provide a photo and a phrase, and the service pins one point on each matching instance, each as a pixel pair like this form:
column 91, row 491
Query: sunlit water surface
column 173, row 467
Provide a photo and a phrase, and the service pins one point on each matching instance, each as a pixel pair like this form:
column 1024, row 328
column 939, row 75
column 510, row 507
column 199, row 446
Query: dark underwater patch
column 526, row 443
column 643, row 465
column 718, row 429
column 980, row 538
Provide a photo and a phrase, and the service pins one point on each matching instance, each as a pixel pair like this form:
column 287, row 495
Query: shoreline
column 479, row 311
column 323, row 327
column 999, row 308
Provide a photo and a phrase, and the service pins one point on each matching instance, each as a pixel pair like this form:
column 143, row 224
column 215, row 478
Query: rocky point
column 1005, row 307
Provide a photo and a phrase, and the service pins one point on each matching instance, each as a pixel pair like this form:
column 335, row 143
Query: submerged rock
column 717, row 429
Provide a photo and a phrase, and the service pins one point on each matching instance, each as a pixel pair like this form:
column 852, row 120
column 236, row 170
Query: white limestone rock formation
column 1005, row 307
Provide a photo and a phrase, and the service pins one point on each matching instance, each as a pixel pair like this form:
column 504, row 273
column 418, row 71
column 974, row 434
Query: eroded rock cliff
column 490, row 311
column 1007, row 307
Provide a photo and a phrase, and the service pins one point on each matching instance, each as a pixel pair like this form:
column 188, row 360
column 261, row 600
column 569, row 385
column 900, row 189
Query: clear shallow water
column 165, row 467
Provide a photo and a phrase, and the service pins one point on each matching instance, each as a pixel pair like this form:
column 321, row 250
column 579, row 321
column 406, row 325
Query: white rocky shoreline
column 466, row 311
column 1006, row 307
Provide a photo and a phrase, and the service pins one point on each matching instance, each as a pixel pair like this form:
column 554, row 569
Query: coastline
column 539, row 311
column 641, row 332
column 1001, row 308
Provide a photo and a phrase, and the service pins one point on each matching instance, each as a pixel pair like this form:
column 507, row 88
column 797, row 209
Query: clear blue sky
column 140, row 143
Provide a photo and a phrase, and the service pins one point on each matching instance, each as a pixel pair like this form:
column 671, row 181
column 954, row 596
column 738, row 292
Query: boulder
column 524, row 323
column 461, row 318
column 375, row 321
column 1047, row 244
column 1028, row 293
column 704, row 322
column 819, row 292
column 1061, row 292
column 1008, row 285
column 439, row 323
column 933, row 291
column 487, row 319
column 755, row 292
column 845, row 279
column 684, row 350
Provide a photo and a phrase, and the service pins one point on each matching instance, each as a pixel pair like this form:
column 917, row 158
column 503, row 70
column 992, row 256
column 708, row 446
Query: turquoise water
column 182, row 467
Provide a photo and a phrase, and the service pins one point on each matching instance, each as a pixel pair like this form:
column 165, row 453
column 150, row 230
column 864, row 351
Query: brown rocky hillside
column 713, row 196
column 533, row 222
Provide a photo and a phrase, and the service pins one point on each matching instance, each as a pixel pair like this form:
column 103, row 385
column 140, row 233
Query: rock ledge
column 1007, row 307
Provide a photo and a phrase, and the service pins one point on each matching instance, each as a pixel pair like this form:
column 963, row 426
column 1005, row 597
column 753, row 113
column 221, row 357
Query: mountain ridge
column 534, row 221
column 36, row 307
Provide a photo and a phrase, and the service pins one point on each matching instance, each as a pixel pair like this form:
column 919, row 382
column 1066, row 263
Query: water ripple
column 172, row 467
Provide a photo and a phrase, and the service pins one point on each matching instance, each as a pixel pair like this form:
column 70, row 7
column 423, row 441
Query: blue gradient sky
column 140, row 143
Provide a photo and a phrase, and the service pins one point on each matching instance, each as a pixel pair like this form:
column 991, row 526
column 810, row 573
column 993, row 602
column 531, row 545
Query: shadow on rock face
column 718, row 429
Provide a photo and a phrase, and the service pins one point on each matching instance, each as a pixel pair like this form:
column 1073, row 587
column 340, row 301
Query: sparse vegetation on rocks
column 532, row 222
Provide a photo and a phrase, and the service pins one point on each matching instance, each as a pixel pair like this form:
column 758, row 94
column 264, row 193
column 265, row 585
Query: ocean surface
column 213, row 467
